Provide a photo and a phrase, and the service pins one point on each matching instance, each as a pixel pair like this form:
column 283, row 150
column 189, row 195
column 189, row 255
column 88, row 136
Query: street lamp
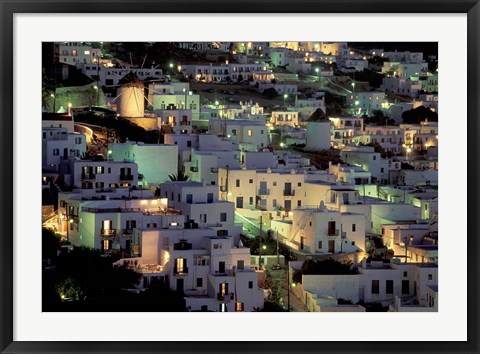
column 53, row 96
column 357, row 102
column 185, row 92
column 285, row 96
column 410, row 241
column 408, row 150
column 317, row 71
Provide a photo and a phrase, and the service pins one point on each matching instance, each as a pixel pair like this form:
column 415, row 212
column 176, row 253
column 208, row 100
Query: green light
column 170, row 65
column 110, row 152
column 228, row 136
column 282, row 145
column 285, row 96
column 95, row 87
column 52, row 95
column 317, row 70
column 264, row 247
column 357, row 103
column 217, row 103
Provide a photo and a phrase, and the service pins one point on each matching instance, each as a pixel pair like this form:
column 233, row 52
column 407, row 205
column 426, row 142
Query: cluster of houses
column 381, row 194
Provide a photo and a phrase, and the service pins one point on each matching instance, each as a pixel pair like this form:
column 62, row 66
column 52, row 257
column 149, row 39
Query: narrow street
column 296, row 304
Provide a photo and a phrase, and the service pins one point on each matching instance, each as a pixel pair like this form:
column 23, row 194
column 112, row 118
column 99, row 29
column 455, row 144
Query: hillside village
column 254, row 176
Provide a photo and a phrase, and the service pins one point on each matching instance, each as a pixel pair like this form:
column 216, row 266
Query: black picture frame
column 10, row 7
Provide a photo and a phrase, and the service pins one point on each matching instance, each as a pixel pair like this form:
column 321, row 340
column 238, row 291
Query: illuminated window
column 180, row 266
column 249, row 133
column 87, row 52
column 106, row 245
column 223, row 289
column 239, row 306
column 107, row 224
column 74, row 53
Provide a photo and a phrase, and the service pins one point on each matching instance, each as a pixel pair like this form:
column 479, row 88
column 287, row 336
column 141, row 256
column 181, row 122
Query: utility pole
column 278, row 256
column 98, row 77
column 260, row 245
column 288, row 286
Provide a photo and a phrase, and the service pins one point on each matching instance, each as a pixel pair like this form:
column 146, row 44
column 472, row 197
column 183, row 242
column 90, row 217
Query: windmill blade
column 136, row 100
column 146, row 98
column 121, row 93
column 145, row 58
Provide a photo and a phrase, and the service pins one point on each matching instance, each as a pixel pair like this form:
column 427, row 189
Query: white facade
column 58, row 144
column 155, row 161
column 306, row 107
column 402, row 87
column 366, row 102
column 87, row 174
column 299, row 65
column 251, row 135
column 318, row 135
column 106, row 220
column 369, row 160
column 199, row 202
column 225, row 72
column 181, row 101
column 350, row 174
column 213, row 272
column 110, row 76
column 284, row 118
column 320, row 231
column 390, row 138
column 77, row 53
column 405, row 57
column 405, row 71
column 179, row 120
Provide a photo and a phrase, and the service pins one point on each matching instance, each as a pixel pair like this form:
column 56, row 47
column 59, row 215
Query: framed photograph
column 278, row 162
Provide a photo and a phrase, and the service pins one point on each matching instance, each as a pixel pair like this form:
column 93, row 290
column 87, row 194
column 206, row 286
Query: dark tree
column 270, row 93
column 419, row 114
column 181, row 176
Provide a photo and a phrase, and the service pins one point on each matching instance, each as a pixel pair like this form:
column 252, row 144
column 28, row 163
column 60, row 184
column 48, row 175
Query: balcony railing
column 225, row 297
column 290, row 192
column 126, row 177
column 180, row 272
column 127, row 232
column 223, row 188
column 264, row 192
column 108, row 233
column 88, row 175
column 332, row 232
column 214, row 170
column 185, row 123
